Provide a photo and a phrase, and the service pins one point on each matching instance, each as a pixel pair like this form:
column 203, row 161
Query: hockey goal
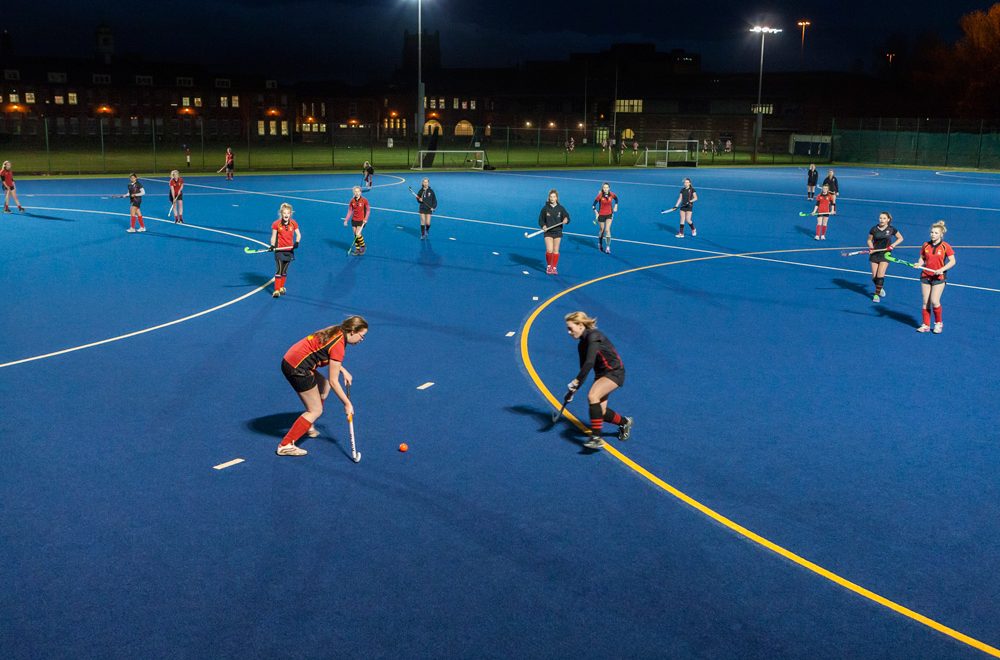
column 450, row 159
column 678, row 153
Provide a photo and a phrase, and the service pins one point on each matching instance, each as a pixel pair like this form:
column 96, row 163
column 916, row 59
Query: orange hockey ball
column 404, row 447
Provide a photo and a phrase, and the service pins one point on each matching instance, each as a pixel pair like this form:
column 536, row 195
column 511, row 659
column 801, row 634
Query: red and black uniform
column 605, row 204
column 135, row 201
column 552, row 216
column 176, row 193
column 598, row 353
column 369, row 174
column 7, row 176
column 284, row 252
column 934, row 257
column 360, row 210
column 881, row 240
column 687, row 199
column 301, row 361
column 230, row 165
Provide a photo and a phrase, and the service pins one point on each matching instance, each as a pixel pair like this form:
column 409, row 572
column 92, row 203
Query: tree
column 976, row 62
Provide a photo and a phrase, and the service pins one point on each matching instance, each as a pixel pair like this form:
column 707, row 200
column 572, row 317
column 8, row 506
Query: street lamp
column 803, row 24
column 420, row 76
column 759, row 128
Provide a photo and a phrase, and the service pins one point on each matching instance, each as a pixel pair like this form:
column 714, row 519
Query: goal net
column 677, row 153
column 438, row 159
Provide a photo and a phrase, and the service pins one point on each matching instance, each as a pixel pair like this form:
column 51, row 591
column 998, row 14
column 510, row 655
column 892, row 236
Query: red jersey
column 934, row 257
column 605, row 204
column 286, row 233
column 8, row 178
column 229, row 158
column 825, row 204
column 175, row 186
column 308, row 354
column 359, row 209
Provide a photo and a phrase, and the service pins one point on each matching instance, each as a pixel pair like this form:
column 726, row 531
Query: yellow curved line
column 711, row 513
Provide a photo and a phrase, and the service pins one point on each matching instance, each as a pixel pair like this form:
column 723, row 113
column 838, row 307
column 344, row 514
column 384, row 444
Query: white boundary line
column 155, row 327
column 754, row 192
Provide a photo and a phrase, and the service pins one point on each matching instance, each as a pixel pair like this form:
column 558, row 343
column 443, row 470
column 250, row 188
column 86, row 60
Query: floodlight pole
column 759, row 126
column 420, row 78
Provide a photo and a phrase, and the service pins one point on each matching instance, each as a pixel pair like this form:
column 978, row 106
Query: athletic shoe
column 141, row 229
column 548, row 270
column 20, row 208
column 131, row 230
column 6, row 210
column 361, row 251
column 875, row 298
column 694, row 232
column 593, row 442
column 607, row 250
column 678, row 235
column 555, row 271
column 625, row 430
column 282, row 291
column 290, row 450
column 881, row 292
column 924, row 328
column 276, row 294
column 823, row 237
column 938, row 328
column 313, row 432
column 816, row 238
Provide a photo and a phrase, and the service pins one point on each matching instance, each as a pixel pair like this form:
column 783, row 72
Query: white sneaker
column 313, row 432
column 678, row 235
column 816, row 238
column 823, row 237
column 290, row 450
column 141, row 229
column 694, row 232
column 924, row 328
column 593, row 442
column 881, row 292
column 130, row 230
column 938, row 328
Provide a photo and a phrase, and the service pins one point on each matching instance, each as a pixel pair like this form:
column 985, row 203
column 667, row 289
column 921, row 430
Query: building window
column 274, row 127
column 236, row 101
column 186, row 101
column 101, row 78
column 434, row 104
column 628, row 105
column 223, row 83
column 454, row 103
column 425, row 102
column 441, row 104
column 260, row 127
column 284, row 127
column 322, row 128
column 71, row 97
column 197, row 101
column 463, row 128
column 59, row 99
column 29, row 97
column 56, row 77
column 270, row 84
column 145, row 81
column 465, row 105
column 15, row 97
column 185, row 82
column 472, row 104
column 223, row 101
column 11, row 74
column 322, row 108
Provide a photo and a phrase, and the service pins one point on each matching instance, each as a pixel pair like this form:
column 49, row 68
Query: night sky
column 359, row 41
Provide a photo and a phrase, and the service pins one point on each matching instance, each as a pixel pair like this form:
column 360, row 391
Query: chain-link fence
column 917, row 141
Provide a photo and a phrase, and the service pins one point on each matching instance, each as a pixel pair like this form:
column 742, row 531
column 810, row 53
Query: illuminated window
column 260, row 127
column 454, row 103
column 463, row 128
column 15, row 97
column 628, row 134
column 59, row 99
column 273, row 125
column 223, row 101
column 434, row 104
column 472, row 104
column 186, row 101
column 236, row 101
column 284, row 127
column 441, row 103
column 29, row 97
column 322, row 108
column 465, row 105
column 72, row 98
column 425, row 101
column 322, row 128
column 628, row 105
column 197, row 101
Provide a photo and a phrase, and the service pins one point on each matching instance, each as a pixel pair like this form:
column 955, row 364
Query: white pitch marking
column 425, row 385
column 509, row 334
column 223, row 466
column 525, row 272
column 452, row 238
column 534, row 297
column 497, row 253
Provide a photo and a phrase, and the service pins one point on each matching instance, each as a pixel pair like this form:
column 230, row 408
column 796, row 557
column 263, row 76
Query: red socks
column 298, row 430
column 937, row 314
column 279, row 282
column 548, row 258
column 555, row 259
column 927, row 315
column 141, row 224
column 821, row 230
column 131, row 221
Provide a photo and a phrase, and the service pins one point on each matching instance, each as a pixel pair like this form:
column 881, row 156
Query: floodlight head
column 766, row 30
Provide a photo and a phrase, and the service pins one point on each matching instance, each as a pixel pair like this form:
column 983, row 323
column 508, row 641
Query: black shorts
column 877, row 258
column 553, row 233
column 135, row 201
column 616, row 376
column 425, row 210
column 933, row 280
column 686, row 207
column 604, row 218
column 230, row 167
column 284, row 255
column 179, row 198
column 357, row 223
column 301, row 380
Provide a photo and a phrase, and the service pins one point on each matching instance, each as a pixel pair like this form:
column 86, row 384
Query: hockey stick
column 889, row 257
column 566, row 400
column 668, row 210
column 355, row 454
column 541, row 231
column 865, row 251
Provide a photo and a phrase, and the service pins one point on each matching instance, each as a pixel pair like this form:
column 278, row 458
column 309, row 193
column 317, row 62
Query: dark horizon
column 310, row 40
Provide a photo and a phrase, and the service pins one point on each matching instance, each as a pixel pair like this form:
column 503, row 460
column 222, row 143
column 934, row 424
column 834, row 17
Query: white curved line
column 155, row 327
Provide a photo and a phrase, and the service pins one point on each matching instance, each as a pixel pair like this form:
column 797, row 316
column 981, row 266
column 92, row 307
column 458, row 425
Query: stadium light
column 420, row 75
column 803, row 24
column 527, row 124
column 763, row 31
